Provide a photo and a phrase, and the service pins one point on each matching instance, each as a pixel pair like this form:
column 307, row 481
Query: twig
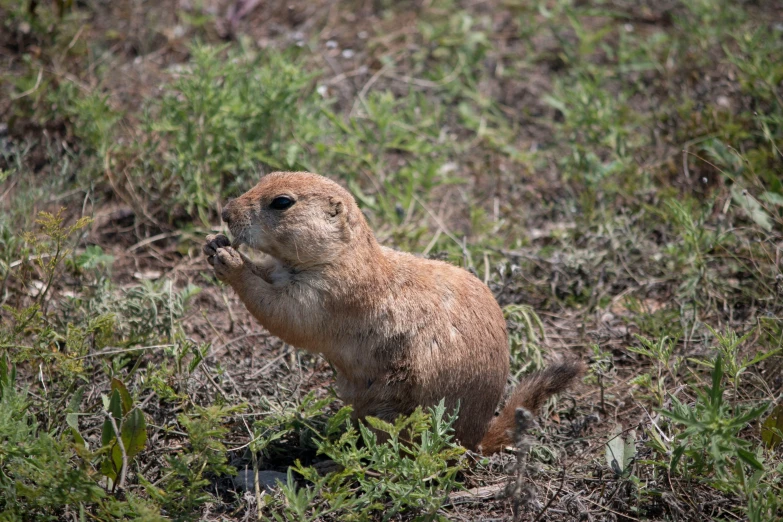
column 477, row 494
column 361, row 96
column 269, row 364
column 231, row 318
column 123, row 471
column 685, row 151
column 256, row 464
column 610, row 510
column 152, row 239
column 124, row 350
column 237, row 339
column 658, row 429
column 217, row 387
column 73, row 42
column 557, row 493
column 256, row 486
column 445, row 230
column 41, row 377
column 10, row 187
column 28, row 92
column 428, row 84
column 432, row 242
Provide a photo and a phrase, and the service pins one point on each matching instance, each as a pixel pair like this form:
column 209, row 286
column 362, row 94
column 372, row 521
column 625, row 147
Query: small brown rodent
column 399, row 330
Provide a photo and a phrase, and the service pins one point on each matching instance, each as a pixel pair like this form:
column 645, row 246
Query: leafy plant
column 37, row 476
column 302, row 418
column 124, row 433
column 666, row 366
column 141, row 313
column 386, row 468
column 226, row 114
column 709, row 446
column 53, row 248
column 526, row 333
column 182, row 488
column 734, row 362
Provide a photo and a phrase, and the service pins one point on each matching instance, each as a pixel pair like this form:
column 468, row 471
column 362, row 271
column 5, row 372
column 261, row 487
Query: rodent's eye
column 281, row 203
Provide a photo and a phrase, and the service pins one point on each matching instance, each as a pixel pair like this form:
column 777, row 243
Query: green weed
column 182, row 487
column 412, row 471
column 526, row 333
column 709, row 447
column 219, row 126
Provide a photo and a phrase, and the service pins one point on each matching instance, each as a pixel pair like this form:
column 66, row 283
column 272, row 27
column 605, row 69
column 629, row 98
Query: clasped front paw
column 226, row 261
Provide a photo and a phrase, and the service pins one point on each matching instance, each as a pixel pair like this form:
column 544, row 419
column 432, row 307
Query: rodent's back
column 453, row 333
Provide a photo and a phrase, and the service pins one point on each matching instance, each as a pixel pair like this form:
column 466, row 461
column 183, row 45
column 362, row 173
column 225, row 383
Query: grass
column 610, row 169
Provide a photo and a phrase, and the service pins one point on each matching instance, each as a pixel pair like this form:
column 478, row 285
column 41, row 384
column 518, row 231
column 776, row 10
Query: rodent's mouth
column 239, row 236
column 247, row 236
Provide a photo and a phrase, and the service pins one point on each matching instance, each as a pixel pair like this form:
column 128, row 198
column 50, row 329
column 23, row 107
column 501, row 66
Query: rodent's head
column 299, row 218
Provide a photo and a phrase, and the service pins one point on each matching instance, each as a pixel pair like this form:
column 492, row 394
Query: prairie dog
column 400, row 331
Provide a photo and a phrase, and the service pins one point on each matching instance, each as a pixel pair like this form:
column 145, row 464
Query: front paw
column 215, row 241
column 227, row 262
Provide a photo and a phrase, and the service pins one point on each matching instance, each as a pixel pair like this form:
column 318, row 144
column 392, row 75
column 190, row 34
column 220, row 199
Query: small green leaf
column 629, row 452
column 72, row 420
column 752, row 414
column 77, row 438
column 76, row 399
column 115, row 407
column 657, row 442
column 134, row 432
column 676, row 455
column 291, row 153
column 620, row 451
column 107, row 433
column 380, row 425
column 772, row 197
column 7, row 373
column 115, row 458
column 107, row 469
column 716, row 393
column 337, row 422
column 125, row 397
column 751, row 207
column 774, row 422
column 749, row 458
column 557, row 104
column 761, row 356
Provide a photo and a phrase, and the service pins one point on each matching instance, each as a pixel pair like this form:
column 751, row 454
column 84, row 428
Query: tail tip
column 563, row 373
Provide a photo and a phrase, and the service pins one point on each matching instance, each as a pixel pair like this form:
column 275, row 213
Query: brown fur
column 399, row 330
column 530, row 393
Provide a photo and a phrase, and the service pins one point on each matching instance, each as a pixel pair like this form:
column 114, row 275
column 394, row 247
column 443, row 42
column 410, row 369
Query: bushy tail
column 531, row 393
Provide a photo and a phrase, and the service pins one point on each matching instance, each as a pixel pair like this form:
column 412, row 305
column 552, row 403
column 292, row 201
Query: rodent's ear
column 335, row 207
